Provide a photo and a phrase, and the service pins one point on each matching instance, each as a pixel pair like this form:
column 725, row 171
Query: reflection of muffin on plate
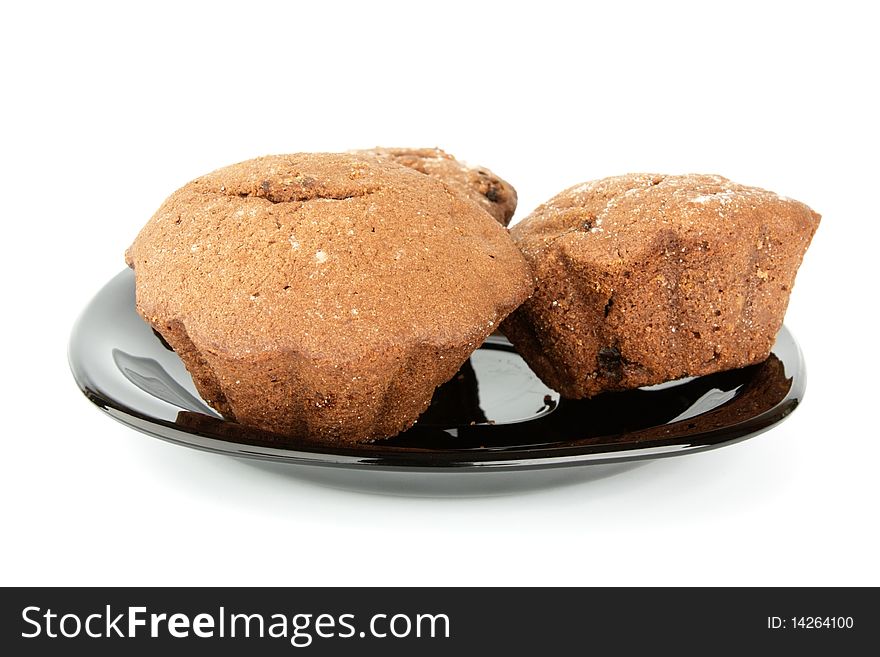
column 494, row 195
column 717, row 401
column 323, row 296
column 647, row 278
column 456, row 402
column 765, row 385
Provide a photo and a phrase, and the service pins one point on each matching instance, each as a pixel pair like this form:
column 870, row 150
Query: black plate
column 494, row 414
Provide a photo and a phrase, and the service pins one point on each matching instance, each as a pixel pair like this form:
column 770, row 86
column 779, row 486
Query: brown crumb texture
column 646, row 278
column 495, row 195
column 324, row 296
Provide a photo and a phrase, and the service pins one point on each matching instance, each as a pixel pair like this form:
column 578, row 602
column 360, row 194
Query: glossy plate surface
column 495, row 414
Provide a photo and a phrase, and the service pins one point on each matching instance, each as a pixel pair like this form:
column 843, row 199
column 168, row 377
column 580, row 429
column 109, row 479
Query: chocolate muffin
column 494, row 195
column 646, row 278
column 324, row 296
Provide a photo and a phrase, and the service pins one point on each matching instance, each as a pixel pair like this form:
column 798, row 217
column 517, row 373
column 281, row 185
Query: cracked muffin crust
column 646, row 278
column 494, row 195
column 323, row 296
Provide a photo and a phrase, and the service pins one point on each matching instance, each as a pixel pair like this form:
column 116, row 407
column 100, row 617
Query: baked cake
column 324, row 296
column 646, row 278
column 494, row 195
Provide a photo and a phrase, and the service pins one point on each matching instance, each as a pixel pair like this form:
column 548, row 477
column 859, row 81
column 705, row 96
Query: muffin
column 494, row 195
column 323, row 296
column 647, row 278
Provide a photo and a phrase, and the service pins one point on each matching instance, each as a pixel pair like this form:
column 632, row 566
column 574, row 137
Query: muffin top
column 328, row 255
column 495, row 195
column 618, row 218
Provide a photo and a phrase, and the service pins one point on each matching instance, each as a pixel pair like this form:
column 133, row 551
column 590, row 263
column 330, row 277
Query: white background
column 106, row 109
